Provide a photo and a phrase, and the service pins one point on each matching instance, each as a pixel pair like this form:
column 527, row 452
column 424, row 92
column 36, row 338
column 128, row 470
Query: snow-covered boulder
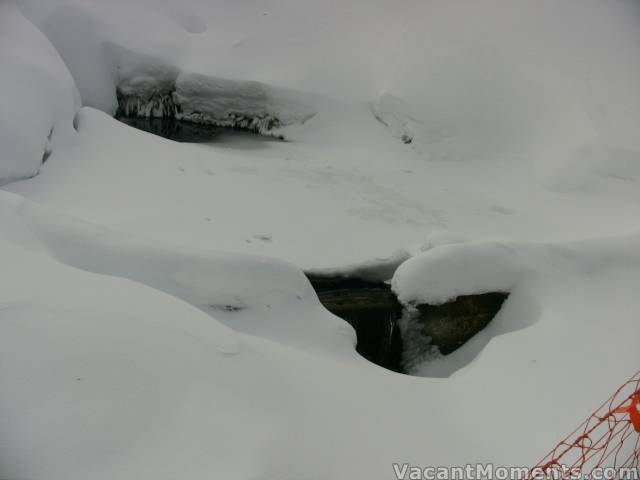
column 39, row 98
column 431, row 284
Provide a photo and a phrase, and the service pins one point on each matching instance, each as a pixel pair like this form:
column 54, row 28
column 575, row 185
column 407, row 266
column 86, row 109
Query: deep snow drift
column 138, row 339
column 515, row 130
column 39, row 98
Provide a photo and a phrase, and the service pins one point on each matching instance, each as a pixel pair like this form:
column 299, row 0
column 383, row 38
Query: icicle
column 165, row 106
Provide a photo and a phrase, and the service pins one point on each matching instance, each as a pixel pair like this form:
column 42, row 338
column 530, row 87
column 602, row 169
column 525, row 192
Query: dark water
column 189, row 132
column 177, row 130
column 372, row 310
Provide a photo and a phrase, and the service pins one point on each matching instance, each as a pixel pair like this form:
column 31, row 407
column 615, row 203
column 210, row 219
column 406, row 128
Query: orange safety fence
column 607, row 440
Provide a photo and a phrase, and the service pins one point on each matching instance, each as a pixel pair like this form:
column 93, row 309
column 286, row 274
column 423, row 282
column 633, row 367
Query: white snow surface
column 154, row 319
column 516, row 129
column 38, row 98
column 118, row 378
column 447, row 272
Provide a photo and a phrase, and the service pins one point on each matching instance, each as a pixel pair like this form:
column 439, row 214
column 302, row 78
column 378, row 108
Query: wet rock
column 450, row 325
column 395, row 337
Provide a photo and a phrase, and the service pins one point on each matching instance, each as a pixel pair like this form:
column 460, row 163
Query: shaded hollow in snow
column 377, row 316
column 372, row 310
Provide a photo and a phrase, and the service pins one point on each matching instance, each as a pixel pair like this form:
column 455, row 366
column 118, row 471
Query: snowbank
column 146, row 354
column 38, row 100
column 447, row 272
column 250, row 105
column 118, row 66
column 147, row 86
column 246, row 291
column 504, row 127
column 464, row 67
column 109, row 377
column 88, row 37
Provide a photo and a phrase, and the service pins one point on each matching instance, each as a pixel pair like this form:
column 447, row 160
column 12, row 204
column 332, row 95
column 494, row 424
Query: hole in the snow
column 372, row 310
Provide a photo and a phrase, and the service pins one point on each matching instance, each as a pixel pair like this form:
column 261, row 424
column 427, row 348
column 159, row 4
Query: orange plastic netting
column 608, row 438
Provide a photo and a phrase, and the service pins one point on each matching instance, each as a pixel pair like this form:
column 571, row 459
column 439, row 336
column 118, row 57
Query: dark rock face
column 450, row 325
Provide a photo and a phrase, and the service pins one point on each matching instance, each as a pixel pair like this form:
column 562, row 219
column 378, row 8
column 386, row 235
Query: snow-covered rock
column 39, row 98
column 243, row 104
column 446, row 273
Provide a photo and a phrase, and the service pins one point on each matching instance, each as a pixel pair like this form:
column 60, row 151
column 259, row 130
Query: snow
column 155, row 321
column 223, row 102
column 150, row 87
column 132, row 381
column 39, row 98
column 303, row 192
column 216, row 283
column 447, row 272
column 503, row 133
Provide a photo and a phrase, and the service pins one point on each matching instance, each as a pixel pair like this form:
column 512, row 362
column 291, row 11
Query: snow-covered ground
column 510, row 139
column 155, row 321
column 39, row 97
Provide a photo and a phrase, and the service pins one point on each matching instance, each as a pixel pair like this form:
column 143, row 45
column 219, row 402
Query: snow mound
column 447, row 272
column 131, row 381
column 444, row 273
column 476, row 107
column 118, row 66
column 244, row 104
column 39, row 97
column 140, row 75
column 78, row 36
column 149, row 87
column 247, row 292
column 129, row 358
column 85, row 34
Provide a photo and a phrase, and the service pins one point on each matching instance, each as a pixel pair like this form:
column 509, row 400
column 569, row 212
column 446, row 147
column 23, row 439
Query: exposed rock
column 450, row 325
column 397, row 338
